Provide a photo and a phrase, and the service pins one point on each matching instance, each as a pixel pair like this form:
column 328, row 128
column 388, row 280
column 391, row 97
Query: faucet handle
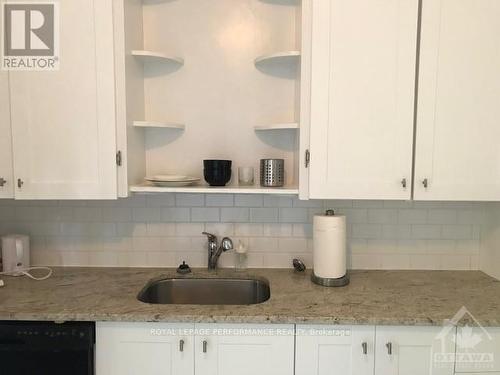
column 211, row 237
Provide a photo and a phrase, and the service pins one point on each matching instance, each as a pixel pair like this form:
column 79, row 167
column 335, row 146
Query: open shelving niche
column 141, row 26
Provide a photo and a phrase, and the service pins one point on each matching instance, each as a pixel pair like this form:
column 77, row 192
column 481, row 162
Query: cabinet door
column 144, row 349
column 457, row 153
column 6, row 177
column 230, row 349
column 478, row 350
column 414, row 351
column 335, row 350
column 362, row 98
column 63, row 122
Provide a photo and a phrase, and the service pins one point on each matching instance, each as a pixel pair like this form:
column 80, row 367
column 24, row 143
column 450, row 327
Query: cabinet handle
column 181, row 345
column 365, row 348
column 389, row 348
column 205, row 344
column 425, row 182
column 403, row 183
column 20, row 183
column 3, row 181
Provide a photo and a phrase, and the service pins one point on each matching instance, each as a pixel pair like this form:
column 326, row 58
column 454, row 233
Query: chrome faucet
column 215, row 251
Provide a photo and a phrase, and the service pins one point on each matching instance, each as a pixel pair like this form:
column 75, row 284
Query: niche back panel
column 219, row 93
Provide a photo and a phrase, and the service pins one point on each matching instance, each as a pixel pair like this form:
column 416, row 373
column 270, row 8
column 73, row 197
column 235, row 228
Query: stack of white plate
column 172, row 180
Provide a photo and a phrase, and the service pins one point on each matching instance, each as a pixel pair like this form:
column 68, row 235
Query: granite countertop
column 373, row 297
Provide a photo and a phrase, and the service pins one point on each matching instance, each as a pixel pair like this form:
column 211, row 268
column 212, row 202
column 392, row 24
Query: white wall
column 163, row 230
column 490, row 242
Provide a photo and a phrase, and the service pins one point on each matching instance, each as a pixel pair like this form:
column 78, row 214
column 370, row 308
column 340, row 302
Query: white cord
column 25, row 272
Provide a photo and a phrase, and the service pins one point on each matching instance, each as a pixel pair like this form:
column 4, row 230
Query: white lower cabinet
column 478, row 350
column 232, row 349
column 201, row 349
column 144, row 349
column 414, row 351
column 335, row 350
column 360, row 350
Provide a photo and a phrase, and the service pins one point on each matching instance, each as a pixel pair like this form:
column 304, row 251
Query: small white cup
column 246, row 176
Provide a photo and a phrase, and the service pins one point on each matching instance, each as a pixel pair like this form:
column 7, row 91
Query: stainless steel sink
column 206, row 291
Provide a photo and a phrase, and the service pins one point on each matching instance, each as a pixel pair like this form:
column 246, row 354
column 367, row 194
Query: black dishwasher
column 46, row 348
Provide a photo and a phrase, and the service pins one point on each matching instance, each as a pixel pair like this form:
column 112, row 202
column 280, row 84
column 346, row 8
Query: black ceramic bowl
column 217, row 172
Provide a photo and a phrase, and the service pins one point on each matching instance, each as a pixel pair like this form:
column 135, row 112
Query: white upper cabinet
column 6, row 177
column 414, row 351
column 458, row 123
column 144, row 348
column 363, row 62
column 231, row 349
column 335, row 350
column 63, row 122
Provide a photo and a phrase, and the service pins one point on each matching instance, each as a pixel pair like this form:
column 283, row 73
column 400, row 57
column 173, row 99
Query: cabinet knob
column 365, row 348
column 205, row 345
column 20, row 183
column 181, row 345
column 403, row 183
column 3, row 181
column 425, row 182
column 389, row 348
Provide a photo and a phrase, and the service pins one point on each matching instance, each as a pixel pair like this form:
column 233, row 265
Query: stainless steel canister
column 272, row 172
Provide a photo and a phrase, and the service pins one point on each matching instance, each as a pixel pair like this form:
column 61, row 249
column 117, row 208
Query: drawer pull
column 205, row 345
column 365, row 348
column 181, row 345
column 389, row 348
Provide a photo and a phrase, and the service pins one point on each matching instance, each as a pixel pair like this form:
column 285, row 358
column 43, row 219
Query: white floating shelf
column 150, row 56
column 287, row 126
column 204, row 189
column 285, row 56
column 155, row 124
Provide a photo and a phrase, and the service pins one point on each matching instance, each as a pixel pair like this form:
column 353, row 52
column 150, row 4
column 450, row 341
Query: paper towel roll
column 329, row 246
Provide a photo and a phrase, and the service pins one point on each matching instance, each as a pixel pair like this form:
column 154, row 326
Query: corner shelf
column 150, row 56
column 292, row 56
column 284, row 126
column 204, row 189
column 155, row 124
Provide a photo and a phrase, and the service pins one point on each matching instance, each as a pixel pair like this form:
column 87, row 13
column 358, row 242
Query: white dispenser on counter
column 329, row 250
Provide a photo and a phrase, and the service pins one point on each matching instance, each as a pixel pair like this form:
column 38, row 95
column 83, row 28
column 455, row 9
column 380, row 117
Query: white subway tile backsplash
column 278, row 230
column 293, row 215
column 219, row 200
column 264, row 215
column 248, row 200
column 160, row 229
column 87, row 214
column 412, row 216
column 278, row 201
column 164, row 229
column 189, row 229
column 442, row 216
column 160, row 200
column 145, row 214
column 426, row 231
column 457, row 231
column 367, row 231
column 205, row 214
column 383, row 216
column 177, row 215
column 189, row 200
column 248, row 230
column 235, row 215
